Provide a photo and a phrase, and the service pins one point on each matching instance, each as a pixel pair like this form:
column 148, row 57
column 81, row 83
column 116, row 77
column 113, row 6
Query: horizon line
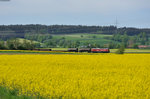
column 80, row 25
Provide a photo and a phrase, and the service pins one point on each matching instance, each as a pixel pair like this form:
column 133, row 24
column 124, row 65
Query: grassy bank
column 12, row 94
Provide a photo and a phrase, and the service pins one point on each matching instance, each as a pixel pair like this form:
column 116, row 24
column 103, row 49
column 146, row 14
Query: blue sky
column 129, row 13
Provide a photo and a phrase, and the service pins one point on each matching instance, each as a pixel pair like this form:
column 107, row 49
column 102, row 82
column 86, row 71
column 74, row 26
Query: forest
column 20, row 30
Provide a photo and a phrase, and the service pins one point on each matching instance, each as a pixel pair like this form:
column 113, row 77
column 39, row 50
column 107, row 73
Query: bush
column 121, row 50
column 135, row 46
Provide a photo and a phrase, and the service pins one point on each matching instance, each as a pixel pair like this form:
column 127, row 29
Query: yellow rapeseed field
column 77, row 76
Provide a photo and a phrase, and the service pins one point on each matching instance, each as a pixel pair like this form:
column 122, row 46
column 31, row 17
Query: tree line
column 55, row 29
column 129, row 41
column 15, row 44
column 20, row 30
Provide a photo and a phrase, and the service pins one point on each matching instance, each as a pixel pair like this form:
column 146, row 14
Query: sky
column 128, row 13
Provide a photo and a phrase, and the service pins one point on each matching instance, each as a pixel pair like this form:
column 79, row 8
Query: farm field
column 85, row 37
column 99, row 76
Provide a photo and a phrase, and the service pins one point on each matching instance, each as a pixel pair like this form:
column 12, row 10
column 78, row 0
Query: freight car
column 100, row 50
column 42, row 49
column 85, row 50
column 72, row 49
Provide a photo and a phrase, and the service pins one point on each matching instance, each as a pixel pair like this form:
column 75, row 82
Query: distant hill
column 14, row 31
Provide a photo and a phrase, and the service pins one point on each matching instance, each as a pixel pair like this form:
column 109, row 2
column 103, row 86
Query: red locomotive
column 100, row 50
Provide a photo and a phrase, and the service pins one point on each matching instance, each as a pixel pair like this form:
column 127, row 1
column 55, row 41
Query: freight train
column 89, row 50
